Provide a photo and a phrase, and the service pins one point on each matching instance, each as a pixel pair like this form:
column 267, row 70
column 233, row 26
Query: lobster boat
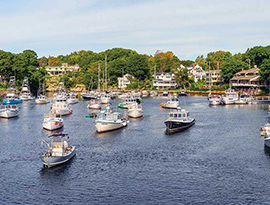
column 58, row 150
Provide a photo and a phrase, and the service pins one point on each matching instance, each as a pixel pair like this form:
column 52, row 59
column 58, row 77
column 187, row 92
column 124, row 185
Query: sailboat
column 213, row 99
column 41, row 95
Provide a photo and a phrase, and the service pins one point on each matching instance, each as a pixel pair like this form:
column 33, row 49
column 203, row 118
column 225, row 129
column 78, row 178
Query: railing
column 262, row 99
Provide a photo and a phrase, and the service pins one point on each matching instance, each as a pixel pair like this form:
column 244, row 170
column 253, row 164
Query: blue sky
column 188, row 28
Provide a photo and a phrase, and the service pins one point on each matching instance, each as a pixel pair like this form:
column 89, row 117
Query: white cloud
column 188, row 28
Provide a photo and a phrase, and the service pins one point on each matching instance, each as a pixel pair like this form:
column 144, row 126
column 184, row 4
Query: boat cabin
column 179, row 114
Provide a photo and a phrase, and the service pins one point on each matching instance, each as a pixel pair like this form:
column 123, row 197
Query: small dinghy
column 171, row 103
column 178, row 120
column 135, row 111
column 52, row 122
column 94, row 104
column 107, row 120
column 58, row 151
column 9, row 111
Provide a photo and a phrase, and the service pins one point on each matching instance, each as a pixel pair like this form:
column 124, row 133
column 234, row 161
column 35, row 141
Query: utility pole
column 217, row 65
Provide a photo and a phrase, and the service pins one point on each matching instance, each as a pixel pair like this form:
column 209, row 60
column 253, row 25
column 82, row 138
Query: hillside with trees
column 121, row 61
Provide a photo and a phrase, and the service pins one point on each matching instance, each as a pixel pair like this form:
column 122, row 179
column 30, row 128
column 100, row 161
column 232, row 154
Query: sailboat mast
column 106, row 72
column 98, row 77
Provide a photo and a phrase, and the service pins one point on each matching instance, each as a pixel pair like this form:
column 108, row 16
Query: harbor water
column 219, row 160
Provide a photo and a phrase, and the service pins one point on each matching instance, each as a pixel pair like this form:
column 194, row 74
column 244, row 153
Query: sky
column 188, row 28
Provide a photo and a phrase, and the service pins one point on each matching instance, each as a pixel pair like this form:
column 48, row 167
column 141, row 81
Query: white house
column 196, row 72
column 124, row 81
column 164, row 81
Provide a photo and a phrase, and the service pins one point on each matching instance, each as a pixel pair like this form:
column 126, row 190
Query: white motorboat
column 135, row 111
column 128, row 102
column 229, row 97
column 244, row 98
column 52, row 122
column 72, row 99
column 94, row 104
column 214, row 99
column 265, row 133
column 12, row 96
column 178, row 120
column 153, row 94
column 61, row 107
column 58, row 150
column 41, row 95
column 105, row 98
column 25, row 94
column 9, row 111
column 171, row 103
column 145, row 94
column 107, row 120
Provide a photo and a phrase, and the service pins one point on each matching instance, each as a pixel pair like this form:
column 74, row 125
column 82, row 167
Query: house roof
column 252, row 70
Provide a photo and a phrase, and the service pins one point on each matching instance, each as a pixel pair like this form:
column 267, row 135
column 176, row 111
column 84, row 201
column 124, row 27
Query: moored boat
column 135, row 111
column 94, row 104
column 229, row 97
column 8, row 111
column 107, row 120
column 12, row 96
column 105, row 98
column 52, row 122
column 130, row 101
column 41, row 95
column 178, row 120
column 171, row 103
column 25, row 94
column 265, row 133
column 58, row 150
column 214, row 99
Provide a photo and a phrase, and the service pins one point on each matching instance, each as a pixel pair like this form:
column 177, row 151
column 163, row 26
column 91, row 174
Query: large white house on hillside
column 164, row 81
column 196, row 72
column 124, row 81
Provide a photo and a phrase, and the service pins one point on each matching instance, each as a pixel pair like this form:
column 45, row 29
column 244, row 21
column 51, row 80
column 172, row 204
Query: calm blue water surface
column 220, row 160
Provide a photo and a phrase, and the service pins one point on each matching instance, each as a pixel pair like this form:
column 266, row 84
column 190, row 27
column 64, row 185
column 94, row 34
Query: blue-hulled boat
column 12, row 96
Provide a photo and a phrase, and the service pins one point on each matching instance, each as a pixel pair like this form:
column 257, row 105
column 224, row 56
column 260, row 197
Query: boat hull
column 169, row 106
column 51, row 161
column 176, row 126
column 94, row 106
column 267, row 142
column 106, row 127
column 214, row 102
column 72, row 101
column 52, row 125
column 41, row 101
column 12, row 101
column 9, row 114
column 135, row 113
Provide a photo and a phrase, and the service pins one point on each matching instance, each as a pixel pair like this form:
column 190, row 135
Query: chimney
column 193, row 66
column 242, row 69
column 213, row 68
column 255, row 66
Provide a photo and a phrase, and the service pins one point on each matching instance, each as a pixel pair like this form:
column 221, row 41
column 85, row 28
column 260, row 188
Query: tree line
column 121, row 61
